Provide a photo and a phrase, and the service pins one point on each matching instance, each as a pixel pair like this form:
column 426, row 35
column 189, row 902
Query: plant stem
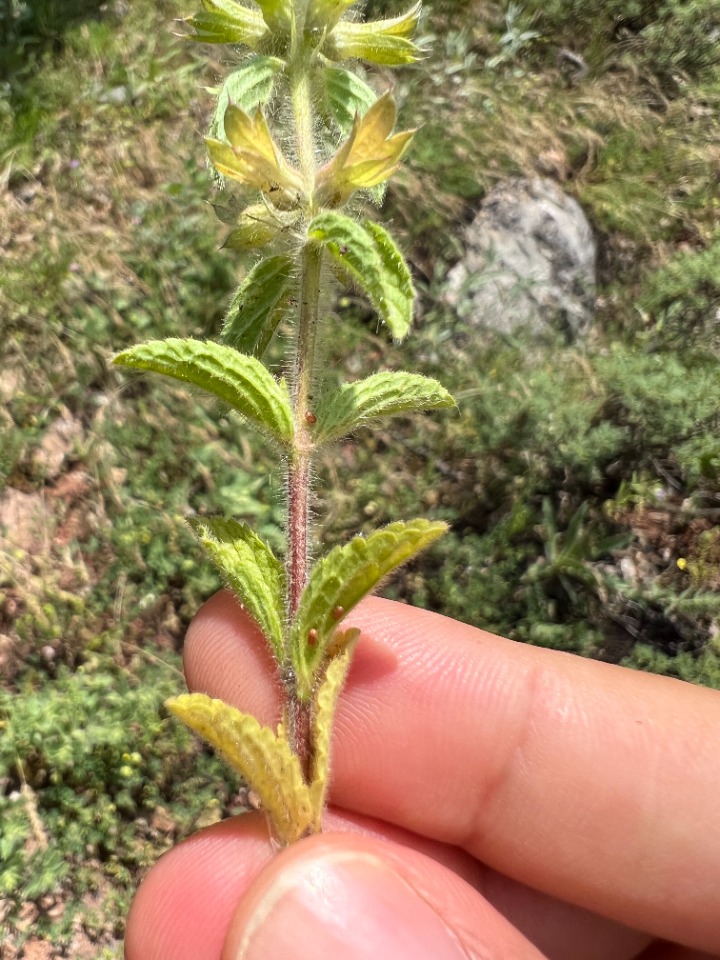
column 299, row 469
column 297, row 713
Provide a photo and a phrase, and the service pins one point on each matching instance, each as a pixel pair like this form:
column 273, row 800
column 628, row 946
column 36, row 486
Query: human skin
column 489, row 800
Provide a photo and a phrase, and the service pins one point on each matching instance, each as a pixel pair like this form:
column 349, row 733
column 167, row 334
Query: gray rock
column 115, row 95
column 529, row 262
column 25, row 519
column 59, row 443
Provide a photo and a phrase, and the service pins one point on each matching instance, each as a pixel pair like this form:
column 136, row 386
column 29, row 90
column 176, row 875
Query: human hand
column 490, row 800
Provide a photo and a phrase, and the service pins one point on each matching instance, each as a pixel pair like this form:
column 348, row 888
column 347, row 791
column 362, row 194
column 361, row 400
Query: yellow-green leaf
column 366, row 255
column 367, row 158
column 225, row 21
column 238, row 380
column 263, row 760
column 250, row 568
column 252, row 157
column 257, row 226
column 340, row 581
column 259, row 304
column 323, row 717
column 324, row 14
column 381, row 395
column 377, row 41
column 277, row 14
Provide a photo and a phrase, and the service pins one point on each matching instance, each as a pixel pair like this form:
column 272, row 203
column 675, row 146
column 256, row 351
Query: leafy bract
column 367, row 158
column 324, row 14
column 238, row 380
column 322, row 724
column 255, row 227
column 381, row 395
column 259, row 304
column 377, row 41
column 368, row 256
column 225, row 21
column 340, row 581
column 345, row 95
column 277, row 14
column 248, row 565
column 249, row 85
column 263, row 759
column 252, row 157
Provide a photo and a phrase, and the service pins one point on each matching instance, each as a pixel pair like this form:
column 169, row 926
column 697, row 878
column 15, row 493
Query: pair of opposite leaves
column 336, row 584
column 385, row 42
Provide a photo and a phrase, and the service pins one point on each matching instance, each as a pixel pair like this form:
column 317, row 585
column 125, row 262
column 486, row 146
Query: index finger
column 595, row 784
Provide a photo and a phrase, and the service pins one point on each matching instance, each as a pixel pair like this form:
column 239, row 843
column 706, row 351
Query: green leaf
column 277, row 14
column 238, row 380
column 386, row 51
column 397, row 282
column 247, row 87
column 248, row 565
column 256, row 226
column 262, row 758
column 225, row 21
column 366, row 254
column 259, row 305
column 381, row 395
column 324, row 14
column 345, row 95
column 341, row 580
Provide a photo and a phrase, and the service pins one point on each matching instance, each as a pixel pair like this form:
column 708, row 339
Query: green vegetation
column 107, row 238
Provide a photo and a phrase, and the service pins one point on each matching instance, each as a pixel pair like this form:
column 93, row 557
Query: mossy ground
column 582, row 482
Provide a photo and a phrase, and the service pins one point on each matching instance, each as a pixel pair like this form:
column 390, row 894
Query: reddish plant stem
column 297, row 712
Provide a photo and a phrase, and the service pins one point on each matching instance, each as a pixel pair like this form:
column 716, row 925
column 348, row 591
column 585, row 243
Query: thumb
column 356, row 897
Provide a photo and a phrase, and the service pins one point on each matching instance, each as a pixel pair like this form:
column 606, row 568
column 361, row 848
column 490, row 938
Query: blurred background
column 561, row 213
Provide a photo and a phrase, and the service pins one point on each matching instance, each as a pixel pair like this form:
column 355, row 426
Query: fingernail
column 347, row 905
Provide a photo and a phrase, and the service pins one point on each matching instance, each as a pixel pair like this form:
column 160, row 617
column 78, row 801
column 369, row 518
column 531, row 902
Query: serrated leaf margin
column 254, row 573
column 262, row 758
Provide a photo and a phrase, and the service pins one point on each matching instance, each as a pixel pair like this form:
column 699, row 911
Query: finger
column 669, row 951
column 589, row 782
column 358, row 898
column 184, row 907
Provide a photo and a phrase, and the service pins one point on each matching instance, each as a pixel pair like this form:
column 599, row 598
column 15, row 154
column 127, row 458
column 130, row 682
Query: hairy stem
column 299, row 470
column 297, row 713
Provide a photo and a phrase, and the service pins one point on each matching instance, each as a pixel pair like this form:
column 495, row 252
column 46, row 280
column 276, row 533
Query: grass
column 556, row 451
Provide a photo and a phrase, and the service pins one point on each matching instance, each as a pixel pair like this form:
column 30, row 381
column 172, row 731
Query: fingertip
column 226, row 656
column 183, row 907
column 360, row 898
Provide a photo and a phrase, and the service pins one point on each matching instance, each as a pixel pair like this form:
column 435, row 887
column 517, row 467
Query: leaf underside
column 238, row 380
column 262, row 758
column 340, row 581
column 249, row 85
column 251, row 569
column 322, row 724
column 225, row 21
column 381, row 395
column 259, row 305
column 346, row 94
